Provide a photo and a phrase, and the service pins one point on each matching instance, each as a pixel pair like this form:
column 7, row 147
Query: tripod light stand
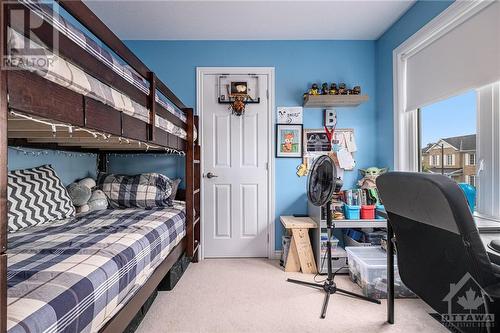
column 321, row 186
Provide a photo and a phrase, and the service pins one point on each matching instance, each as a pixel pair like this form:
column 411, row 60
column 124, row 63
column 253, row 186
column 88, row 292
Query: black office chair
column 440, row 254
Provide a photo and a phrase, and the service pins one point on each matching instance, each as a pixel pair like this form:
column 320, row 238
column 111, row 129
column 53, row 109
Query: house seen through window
column 448, row 138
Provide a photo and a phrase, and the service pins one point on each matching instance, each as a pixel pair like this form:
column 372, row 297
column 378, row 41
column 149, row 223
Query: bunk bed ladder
column 193, row 192
column 3, row 174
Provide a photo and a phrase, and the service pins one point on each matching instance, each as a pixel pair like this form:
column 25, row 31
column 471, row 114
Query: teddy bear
column 86, row 197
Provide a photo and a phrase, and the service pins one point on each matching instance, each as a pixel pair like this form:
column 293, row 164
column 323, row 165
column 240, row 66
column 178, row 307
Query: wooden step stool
column 300, row 255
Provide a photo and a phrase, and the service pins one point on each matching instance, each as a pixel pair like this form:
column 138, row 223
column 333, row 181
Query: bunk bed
column 96, row 97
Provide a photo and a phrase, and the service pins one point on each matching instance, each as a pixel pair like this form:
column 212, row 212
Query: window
column 423, row 56
column 472, row 180
column 472, row 159
column 458, row 137
column 450, row 159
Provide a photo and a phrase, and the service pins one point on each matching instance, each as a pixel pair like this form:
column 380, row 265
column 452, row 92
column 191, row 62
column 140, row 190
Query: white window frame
column 406, row 136
column 471, row 155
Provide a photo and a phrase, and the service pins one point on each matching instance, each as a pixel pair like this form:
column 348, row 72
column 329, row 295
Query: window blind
column 464, row 58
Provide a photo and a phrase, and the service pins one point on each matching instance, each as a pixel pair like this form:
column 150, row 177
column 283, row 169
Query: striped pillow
column 147, row 190
column 36, row 196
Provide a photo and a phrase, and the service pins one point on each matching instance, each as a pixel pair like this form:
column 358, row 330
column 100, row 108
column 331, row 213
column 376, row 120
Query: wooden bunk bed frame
column 29, row 94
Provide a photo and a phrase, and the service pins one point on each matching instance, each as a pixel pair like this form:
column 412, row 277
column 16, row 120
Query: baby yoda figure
column 368, row 182
column 369, row 177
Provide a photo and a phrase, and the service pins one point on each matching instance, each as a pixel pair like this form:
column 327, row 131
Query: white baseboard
column 276, row 254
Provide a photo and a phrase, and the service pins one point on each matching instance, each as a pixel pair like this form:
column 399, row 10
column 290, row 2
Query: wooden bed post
column 190, row 183
column 152, row 106
column 3, row 172
column 192, row 187
column 102, row 162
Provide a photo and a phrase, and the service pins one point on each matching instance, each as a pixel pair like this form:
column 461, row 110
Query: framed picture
column 316, row 141
column 288, row 140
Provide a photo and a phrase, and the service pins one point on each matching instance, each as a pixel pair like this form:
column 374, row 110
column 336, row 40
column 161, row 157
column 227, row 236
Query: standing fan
column 320, row 189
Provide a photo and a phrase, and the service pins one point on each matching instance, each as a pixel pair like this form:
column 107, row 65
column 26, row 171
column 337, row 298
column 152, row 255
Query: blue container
column 352, row 212
column 377, row 209
column 470, row 195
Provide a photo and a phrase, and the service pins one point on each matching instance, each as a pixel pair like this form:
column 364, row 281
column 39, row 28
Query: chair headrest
column 432, row 199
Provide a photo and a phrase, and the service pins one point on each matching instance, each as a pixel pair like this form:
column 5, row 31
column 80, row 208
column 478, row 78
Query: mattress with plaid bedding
column 73, row 275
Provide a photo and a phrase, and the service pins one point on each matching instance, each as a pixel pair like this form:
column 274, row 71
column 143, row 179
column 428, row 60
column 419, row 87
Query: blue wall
column 68, row 168
column 172, row 166
column 414, row 19
column 297, row 65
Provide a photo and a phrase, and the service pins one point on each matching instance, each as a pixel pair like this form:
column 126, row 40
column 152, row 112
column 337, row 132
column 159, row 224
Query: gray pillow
column 175, row 186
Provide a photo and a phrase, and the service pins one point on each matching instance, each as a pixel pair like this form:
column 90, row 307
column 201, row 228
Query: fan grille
column 321, row 181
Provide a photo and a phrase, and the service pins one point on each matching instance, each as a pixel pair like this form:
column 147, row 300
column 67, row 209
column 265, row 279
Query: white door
column 235, row 151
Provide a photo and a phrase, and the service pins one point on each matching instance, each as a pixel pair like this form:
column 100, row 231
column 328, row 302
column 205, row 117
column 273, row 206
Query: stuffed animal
column 369, row 177
column 82, row 209
column 79, row 194
column 88, row 182
column 84, row 198
column 368, row 183
column 98, row 200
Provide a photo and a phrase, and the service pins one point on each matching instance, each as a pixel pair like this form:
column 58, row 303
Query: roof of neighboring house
column 426, row 148
column 462, row 143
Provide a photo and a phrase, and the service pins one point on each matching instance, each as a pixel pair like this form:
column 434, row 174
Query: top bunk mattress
column 73, row 275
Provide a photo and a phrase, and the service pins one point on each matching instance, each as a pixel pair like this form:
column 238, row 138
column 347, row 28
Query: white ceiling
column 249, row 20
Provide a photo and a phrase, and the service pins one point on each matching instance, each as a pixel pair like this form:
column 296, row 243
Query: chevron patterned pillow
column 36, row 196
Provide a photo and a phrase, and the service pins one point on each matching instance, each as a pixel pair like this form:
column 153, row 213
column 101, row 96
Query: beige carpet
column 251, row 295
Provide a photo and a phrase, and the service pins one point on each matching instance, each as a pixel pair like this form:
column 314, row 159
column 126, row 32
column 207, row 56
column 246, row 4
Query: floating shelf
column 330, row 101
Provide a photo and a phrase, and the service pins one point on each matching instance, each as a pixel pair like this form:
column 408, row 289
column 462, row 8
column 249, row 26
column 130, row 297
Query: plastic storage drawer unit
column 368, row 268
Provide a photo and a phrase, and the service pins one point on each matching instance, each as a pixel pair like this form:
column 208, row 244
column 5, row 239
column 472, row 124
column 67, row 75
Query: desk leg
column 390, row 274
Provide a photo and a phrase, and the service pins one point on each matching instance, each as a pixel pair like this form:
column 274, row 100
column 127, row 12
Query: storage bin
column 351, row 212
column 348, row 241
column 285, row 246
column 377, row 209
column 367, row 212
column 357, row 235
column 374, row 237
column 324, row 238
column 339, row 262
column 368, row 268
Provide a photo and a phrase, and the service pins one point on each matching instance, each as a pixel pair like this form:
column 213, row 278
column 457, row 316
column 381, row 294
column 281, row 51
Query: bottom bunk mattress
column 73, row 275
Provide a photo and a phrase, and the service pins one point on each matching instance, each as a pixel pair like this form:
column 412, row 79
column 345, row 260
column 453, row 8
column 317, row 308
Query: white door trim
column 269, row 71
column 405, row 121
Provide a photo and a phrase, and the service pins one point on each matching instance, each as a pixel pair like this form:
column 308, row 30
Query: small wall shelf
column 331, row 101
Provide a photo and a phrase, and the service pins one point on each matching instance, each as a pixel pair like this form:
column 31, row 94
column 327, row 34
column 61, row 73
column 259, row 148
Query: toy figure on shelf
column 333, row 89
column 314, row 90
column 368, row 182
column 324, row 89
column 342, row 89
column 356, row 90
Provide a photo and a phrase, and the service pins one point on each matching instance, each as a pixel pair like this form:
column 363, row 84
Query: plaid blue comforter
column 73, row 275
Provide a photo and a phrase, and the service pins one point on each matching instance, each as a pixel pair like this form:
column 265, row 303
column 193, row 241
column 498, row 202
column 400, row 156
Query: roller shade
column 464, row 58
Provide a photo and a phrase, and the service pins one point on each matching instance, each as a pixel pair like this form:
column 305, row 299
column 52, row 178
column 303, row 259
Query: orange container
column 367, row 212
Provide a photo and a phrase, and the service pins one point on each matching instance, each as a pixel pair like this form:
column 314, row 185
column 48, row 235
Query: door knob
column 211, row 175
